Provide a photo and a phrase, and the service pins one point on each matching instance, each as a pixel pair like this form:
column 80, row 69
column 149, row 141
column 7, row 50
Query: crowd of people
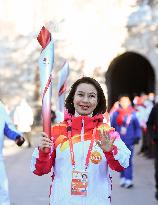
column 136, row 122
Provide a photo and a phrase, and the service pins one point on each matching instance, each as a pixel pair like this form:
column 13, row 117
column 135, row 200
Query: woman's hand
column 46, row 142
column 106, row 144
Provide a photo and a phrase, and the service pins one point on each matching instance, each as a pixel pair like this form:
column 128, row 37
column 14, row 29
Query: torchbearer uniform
column 81, row 175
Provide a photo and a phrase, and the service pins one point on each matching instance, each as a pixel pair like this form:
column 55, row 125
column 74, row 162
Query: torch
column 46, row 61
column 64, row 73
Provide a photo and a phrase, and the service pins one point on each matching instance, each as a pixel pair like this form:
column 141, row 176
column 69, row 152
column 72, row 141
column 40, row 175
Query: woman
column 83, row 144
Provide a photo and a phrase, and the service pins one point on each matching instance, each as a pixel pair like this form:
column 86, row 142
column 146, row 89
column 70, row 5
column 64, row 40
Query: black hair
column 123, row 95
column 101, row 106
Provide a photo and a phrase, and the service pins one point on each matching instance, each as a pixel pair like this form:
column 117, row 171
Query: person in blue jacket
column 125, row 122
column 6, row 129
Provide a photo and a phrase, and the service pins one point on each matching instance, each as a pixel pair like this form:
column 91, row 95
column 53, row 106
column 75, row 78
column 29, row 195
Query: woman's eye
column 92, row 96
column 80, row 94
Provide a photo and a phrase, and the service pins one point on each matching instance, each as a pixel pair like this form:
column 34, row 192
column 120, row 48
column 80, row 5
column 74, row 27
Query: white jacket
column 99, row 175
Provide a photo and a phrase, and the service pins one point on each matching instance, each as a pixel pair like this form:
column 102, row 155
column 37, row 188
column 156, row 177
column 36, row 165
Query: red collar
column 89, row 122
column 122, row 113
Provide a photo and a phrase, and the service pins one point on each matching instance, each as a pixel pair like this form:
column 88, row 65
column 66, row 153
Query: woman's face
column 85, row 99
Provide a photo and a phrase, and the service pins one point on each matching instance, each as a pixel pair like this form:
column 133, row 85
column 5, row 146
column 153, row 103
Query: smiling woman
column 87, row 97
column 82, row 146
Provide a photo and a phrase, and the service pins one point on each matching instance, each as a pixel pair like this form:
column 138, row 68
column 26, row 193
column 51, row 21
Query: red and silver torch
column 46, row 62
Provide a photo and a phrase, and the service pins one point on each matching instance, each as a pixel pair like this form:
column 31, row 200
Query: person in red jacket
column 81, row 145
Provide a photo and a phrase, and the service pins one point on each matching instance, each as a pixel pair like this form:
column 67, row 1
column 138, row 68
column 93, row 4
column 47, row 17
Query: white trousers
column 4, row 193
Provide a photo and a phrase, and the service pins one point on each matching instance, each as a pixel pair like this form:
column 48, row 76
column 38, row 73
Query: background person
column 6, row 129
column 125, row 122
column 152, row 125
column 23, row 119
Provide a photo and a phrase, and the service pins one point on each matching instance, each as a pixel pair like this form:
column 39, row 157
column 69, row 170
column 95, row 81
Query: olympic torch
column 46, row 62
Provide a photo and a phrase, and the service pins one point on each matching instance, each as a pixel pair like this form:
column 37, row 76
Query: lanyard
column 128, row 120
column 72, row 151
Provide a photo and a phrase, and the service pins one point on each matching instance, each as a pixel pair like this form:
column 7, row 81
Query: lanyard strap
column 128, row 120
column 71, row 147
column 90, row 149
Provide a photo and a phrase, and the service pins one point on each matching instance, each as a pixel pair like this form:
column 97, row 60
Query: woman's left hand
column 105, row 143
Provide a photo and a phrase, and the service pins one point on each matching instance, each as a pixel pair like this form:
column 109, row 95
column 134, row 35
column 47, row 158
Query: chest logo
column 96, row 157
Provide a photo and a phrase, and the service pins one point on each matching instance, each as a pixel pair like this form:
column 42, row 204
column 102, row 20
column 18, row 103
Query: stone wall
column 143, row 34
column 86, row 33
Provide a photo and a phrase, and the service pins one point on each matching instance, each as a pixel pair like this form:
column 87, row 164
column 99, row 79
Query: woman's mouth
column 84, row 107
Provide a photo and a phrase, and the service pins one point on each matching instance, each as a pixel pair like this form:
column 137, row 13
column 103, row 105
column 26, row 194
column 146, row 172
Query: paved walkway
column 28, row 189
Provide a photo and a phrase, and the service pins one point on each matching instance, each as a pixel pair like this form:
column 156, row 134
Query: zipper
column 82, row 141
column 83, row 158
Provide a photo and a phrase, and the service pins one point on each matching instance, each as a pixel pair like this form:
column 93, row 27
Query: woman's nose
column 85, row 99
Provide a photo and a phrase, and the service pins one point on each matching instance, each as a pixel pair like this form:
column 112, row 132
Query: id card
column 123, row 130
column 79, row 183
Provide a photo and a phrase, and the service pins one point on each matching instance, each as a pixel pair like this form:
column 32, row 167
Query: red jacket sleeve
column 43, row 162
column 112, row 162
